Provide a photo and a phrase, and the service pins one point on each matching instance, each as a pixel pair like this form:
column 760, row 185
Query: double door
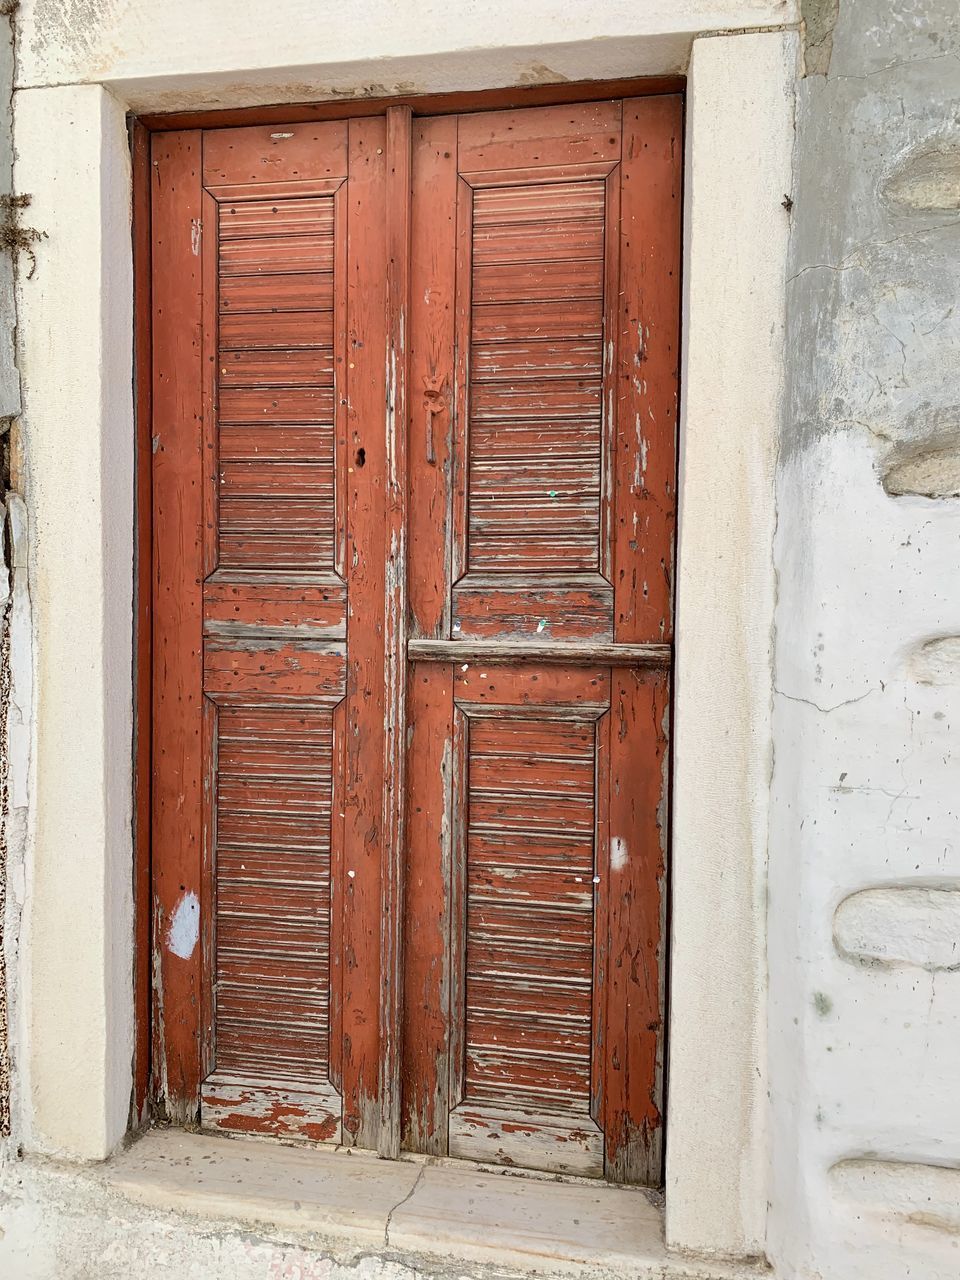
column 413, row 471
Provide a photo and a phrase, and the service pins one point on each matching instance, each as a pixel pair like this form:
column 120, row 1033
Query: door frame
column 398, row 114
column 76, row 327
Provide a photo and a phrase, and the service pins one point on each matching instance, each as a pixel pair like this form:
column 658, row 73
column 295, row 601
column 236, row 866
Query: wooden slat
column 529, row 608
column 571, row 654
column 540, row 136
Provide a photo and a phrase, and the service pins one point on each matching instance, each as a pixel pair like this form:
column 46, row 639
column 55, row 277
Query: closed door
column 414, row 397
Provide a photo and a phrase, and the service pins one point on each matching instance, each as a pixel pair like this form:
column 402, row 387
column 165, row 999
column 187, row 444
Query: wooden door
column 542, row 436
column 269, row 331
column 414, row 417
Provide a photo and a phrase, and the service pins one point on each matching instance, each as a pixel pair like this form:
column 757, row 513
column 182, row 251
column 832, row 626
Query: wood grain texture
column 180, row 976
column 398, row 192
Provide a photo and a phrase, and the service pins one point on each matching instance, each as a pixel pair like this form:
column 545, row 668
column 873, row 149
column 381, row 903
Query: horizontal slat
column 521, row 321
column 256, row 330
column 303, row 215
column 286, row 367
column 237, row 608
column 276, row 254
column 613, row 655
column 309, row 291
column 496, row 607
column 569, row 278
column 304, row 668
column 277, row 404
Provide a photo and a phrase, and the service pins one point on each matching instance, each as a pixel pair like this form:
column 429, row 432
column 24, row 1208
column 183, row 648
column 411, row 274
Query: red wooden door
column 415, row 380
column 269, row 327
column 542, row 442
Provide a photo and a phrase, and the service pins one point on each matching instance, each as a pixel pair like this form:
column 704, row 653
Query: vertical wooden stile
column 398, row 197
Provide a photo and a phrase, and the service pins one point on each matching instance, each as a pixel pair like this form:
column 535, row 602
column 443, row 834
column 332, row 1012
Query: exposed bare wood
column 509, row 651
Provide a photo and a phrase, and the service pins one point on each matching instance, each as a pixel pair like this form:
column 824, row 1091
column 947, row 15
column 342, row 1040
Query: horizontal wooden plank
column 275, row 153
column 276, row 254
column 261, row 331
column 534, row 359
column 538, row 241
column 284, row 216
column 282, row 1110
column 540, row 136
column 565, row 279
column 534, row 202
column 490, row 651
column 277, row 292
column 529, row 608
column 556, row 1144
column 259, row 668
column 277, row 404
column 303, row 609
column 569, row 318
column 283, row 367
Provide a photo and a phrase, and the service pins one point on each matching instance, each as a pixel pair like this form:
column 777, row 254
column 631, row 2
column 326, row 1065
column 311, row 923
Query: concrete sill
column 348, row 1203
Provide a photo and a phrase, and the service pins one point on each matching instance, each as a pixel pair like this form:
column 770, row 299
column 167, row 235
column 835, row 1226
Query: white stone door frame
column 75, row 1031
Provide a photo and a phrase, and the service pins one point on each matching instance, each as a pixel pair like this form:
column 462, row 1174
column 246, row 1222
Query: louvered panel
column 535, row 399
column 272, row 885
column 276, row 403
column 529, row 913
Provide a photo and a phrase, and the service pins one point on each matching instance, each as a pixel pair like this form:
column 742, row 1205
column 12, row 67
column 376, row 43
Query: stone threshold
column 430, row 1212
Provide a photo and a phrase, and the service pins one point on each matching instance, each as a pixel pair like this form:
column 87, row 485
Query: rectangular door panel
column 268, row 280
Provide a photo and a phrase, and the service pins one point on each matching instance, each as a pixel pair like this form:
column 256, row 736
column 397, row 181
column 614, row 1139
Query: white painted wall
column 739, row 121
column 180, row 53
column 75, row 320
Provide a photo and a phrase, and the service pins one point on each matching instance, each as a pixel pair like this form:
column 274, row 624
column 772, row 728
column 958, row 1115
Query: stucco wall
column 864, row 876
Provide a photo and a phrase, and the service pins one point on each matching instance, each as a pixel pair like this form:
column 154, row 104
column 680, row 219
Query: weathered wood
column 511, row 651
column 360, row 887
column 424, row 104
column 426, row 800
column 648, row 370
column 398, row 195
column 177, row 797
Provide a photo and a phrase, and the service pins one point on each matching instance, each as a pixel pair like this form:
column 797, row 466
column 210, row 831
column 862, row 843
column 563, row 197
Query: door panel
column 275, row 734
column 541, row 603
column 415, row 391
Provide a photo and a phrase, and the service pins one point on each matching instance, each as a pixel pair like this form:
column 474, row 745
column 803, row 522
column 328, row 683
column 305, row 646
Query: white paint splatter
column 184, row 931
column 618, row 853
